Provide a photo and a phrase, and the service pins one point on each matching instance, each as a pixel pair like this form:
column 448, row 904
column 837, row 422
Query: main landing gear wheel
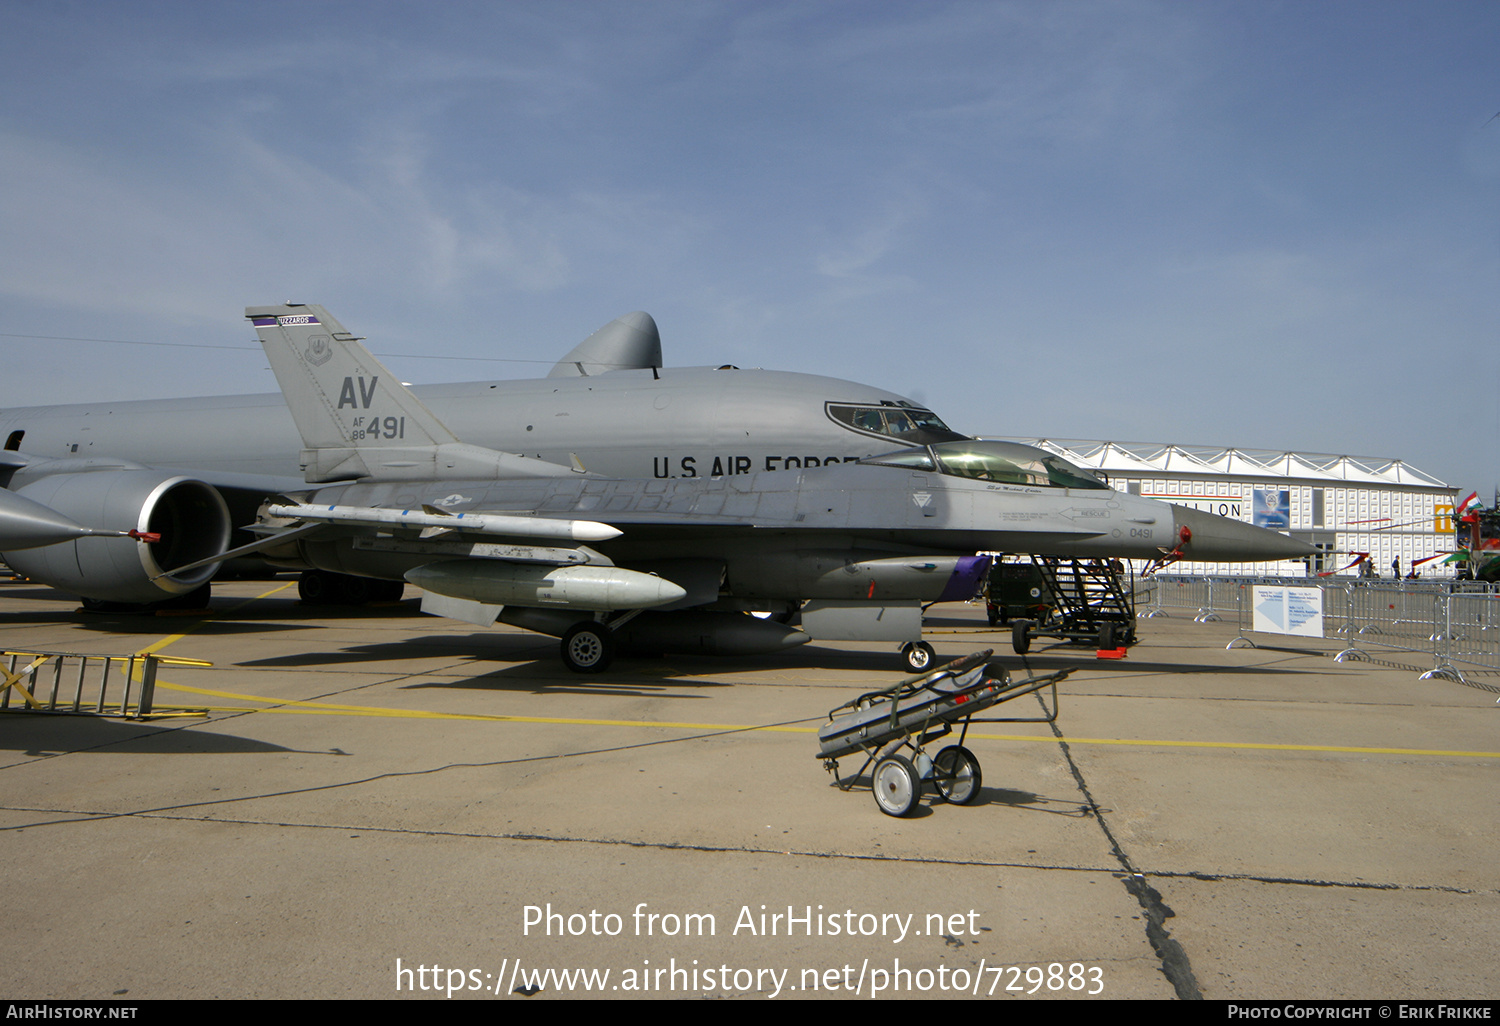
column 918, row 655
column 196, row 599
column 897, row 786
column 1020, row 636
column 955, row 772
column 387, row 591
column 326, row 588
column 349, row 590
column 588, row 647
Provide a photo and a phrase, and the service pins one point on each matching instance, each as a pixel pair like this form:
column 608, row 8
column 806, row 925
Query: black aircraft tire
column 955, row 771
column 353, row 591
column 919, row 656
column 93, row 605
column 315, row 587
column 588, row 647
column 1106, row 636
column 198, row 598
column 387, row 591
column 1020, row 637
column 897, row 787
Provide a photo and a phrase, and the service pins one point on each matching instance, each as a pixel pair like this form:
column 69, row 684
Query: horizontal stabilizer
column 448, row 461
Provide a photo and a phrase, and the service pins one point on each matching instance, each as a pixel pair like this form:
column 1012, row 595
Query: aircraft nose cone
column 1217, row 539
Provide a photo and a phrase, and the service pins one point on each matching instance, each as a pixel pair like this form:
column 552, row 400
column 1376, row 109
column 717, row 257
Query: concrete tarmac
column 376, row 804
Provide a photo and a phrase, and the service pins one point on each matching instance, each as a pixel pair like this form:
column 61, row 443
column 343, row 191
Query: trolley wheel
column 918, row 655
column 897, row 786
column 1020, row 636
column 955, row 771
column 1106, row 636
column 992, row 615
column 588, row 647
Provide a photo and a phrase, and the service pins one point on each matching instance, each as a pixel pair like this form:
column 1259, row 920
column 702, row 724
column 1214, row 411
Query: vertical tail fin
column 625, row 343
column 356, row 419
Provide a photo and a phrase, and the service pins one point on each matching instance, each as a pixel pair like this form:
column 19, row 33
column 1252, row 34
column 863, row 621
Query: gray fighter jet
column 856, row 547
column 658, row 563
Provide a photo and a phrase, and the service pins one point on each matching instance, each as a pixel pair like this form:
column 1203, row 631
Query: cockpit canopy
column 901, row 421
column 1001, row 462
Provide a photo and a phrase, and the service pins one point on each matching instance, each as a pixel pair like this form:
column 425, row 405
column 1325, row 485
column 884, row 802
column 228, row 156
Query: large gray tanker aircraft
column 608, row 406
column 665, row 562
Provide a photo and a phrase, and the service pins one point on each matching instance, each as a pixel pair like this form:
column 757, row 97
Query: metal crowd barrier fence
column 1455, row 623
column 1470, row 635
column 73, row 669
column 1177, row 595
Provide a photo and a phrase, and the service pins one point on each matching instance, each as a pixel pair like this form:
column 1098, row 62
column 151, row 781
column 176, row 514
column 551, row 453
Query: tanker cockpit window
column 901, row 423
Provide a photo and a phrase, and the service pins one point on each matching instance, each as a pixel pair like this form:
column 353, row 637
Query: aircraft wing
column 13, row 460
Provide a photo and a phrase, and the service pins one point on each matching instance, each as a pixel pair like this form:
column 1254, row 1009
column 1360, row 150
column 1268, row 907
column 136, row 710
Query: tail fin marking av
column 356, row 419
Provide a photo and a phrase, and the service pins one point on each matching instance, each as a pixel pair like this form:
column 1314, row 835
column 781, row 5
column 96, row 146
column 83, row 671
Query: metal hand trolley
column 917, row 712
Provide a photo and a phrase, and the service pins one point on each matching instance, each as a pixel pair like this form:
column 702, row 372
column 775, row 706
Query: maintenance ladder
column 1093, row 603
column 74, row 668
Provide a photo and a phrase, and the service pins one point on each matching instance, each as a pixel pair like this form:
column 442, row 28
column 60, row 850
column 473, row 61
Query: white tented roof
column 1164, row 459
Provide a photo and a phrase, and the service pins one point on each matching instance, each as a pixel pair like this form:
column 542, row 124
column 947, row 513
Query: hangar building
column 1341, row 504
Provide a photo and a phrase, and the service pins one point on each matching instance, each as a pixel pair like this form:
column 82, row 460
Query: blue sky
column 1270, row 225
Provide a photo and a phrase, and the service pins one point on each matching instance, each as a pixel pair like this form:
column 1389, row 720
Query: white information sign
column 1279, row 610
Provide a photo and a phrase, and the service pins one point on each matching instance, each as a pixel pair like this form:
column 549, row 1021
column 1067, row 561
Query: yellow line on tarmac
column 294, row 706
column 1239, row 744
column 289, row 705
column 171, row 639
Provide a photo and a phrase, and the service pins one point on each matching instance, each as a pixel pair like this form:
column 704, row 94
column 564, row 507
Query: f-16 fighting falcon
column 679, row 562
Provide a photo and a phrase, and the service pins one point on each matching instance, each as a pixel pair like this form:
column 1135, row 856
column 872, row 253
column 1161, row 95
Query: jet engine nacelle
column 190, row 517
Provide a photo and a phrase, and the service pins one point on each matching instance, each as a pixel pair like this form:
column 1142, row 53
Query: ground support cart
column 913, row 714
column 1016, row 591
column 1094, row 603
